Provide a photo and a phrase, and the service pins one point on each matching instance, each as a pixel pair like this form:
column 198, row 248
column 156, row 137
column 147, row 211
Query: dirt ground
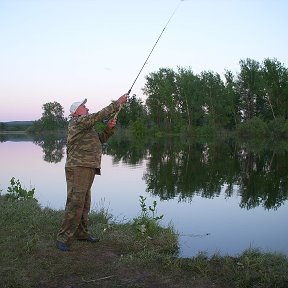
column 97, row 265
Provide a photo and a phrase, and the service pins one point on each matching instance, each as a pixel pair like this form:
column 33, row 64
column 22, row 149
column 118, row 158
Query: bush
column 147, row 223
column 278, row 128
column 207, row 131
column 254, row 127
column 17, row 192
column 138, row 128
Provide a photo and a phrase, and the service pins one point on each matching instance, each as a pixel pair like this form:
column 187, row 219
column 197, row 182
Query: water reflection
column 52, row 147
column 130, row 152
column 257, row 173
column 263, row 179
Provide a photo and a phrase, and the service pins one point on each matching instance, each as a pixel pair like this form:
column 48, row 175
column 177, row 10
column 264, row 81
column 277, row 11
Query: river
column 220, row 198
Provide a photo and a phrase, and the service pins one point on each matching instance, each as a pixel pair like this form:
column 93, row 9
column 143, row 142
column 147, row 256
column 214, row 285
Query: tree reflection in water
column 53, row 147
column 255, row 172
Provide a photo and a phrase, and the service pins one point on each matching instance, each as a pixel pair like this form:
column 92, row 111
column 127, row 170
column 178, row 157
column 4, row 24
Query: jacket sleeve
column 105, row 112
column 88, row 121
column 106, row 134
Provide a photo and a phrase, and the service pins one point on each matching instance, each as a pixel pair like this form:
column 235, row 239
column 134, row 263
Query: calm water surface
column 219, row 199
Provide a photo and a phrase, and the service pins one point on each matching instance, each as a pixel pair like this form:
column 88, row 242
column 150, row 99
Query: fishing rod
column 115, row 116
column 155, row 45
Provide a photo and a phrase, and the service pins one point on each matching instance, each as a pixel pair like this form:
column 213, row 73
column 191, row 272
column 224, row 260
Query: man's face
column 82, row 110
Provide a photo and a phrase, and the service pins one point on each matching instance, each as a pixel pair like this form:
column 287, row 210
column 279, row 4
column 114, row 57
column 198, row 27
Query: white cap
column 75, row 105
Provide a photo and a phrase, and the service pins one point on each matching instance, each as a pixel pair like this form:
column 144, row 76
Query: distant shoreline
column 13, row 132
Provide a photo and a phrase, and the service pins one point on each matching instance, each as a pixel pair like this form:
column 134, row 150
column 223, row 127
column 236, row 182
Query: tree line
column 251, row 101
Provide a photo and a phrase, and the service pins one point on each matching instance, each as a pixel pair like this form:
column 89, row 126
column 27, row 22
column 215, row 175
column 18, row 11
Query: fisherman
column 84, row 150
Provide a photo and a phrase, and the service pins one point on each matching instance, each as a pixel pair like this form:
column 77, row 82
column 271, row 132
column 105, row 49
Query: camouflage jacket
column 84, row 144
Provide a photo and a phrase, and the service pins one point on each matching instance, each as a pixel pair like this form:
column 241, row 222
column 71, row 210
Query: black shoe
column 90, row 239
column 62, row 246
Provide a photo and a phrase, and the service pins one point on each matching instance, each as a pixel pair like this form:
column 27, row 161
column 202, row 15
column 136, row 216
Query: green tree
column 275, row 89
column 3, row 126
column 233, row 114
column 217, row 105
column 189, row 97
column 133, row 111
column 162, row 104
column 52, row 118
column 249, row 83
column 53, row 115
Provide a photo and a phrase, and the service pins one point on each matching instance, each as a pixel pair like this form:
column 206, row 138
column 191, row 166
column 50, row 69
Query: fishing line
column 115, row 116
column 155, row 45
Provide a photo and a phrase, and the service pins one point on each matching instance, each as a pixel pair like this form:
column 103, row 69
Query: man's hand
column 123, row 99
column 112, row 123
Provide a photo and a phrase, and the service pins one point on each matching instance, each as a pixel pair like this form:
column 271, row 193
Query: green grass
column 123, row 258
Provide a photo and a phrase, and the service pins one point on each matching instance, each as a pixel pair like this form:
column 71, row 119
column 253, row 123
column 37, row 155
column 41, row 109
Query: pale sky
column 68, row 50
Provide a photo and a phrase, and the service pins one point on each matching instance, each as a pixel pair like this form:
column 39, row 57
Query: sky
column 68, row 50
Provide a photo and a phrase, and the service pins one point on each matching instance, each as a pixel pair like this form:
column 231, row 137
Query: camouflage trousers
column 75, row 224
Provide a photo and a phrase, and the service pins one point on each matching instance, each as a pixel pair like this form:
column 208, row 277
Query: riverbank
column 126, row 256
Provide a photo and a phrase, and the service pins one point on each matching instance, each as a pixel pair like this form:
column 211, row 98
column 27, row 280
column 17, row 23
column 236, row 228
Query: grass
column 125, row 257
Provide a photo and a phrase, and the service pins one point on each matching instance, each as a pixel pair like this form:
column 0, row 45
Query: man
column 84, row 150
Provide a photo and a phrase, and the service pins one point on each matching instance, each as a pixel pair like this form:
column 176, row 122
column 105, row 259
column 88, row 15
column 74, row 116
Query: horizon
column 65, row 51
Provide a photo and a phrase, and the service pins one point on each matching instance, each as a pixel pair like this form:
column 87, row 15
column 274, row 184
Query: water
column 218, row 200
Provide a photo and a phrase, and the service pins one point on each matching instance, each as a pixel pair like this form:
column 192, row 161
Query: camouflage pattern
column 84, row 144
column 75, row 224
column 84, row 151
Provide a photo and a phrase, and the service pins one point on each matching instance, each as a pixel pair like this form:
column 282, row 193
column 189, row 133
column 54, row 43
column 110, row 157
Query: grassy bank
column 127, row 255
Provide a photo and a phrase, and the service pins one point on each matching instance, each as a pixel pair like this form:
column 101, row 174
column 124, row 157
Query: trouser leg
column 82, row 230
column 79, row 182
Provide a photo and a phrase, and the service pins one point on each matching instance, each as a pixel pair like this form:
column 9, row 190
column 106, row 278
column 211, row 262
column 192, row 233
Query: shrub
column 17, row 192
column 138, row 128
column 278, row 128
column 147, row 222
column 254, row 127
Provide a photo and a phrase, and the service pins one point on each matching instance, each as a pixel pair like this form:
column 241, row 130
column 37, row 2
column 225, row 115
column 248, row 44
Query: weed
column 17, row 192
column 146, row 223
